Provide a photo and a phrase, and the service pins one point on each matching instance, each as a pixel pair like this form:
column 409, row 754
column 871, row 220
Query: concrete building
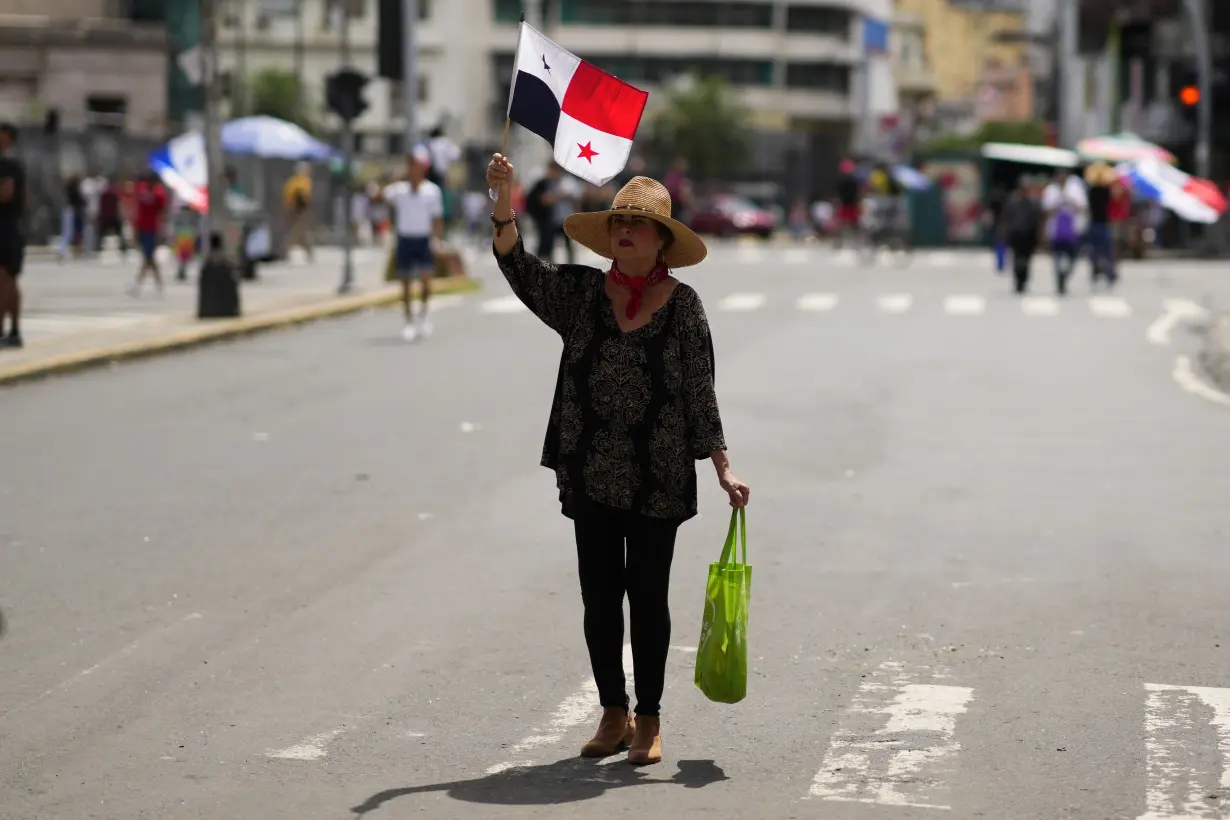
column 795, row 63
column 968, row 62
column 77, row 58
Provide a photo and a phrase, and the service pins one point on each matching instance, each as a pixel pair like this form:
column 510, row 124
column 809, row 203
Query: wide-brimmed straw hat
column 1099, row 173
column 646, row 198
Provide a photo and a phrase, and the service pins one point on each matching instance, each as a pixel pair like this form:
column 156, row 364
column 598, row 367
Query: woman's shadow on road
column 566, row 781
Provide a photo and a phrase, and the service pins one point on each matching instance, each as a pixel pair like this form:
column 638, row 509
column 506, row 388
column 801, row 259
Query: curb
column 217, row 330
column 1215, row 357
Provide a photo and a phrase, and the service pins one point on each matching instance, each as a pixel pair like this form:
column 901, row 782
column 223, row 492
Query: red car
column 731, row 215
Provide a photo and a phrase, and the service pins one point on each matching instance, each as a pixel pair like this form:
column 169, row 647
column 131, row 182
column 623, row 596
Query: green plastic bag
column 721, row 656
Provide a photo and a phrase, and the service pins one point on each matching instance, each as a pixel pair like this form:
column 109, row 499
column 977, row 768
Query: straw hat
column 1099, row 173
column 646, row 198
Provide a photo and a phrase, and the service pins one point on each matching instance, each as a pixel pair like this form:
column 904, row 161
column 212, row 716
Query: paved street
column 319, row 574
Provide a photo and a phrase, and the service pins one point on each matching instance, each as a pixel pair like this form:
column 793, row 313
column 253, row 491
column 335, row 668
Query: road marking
column 1178, row 720
column 504, row 304
column 903, row 762
column 846, row 256
column 796, row 256
column 575, row 710
column 816, row 302
column 965, row 305
column 750, row 255
column 1189, row 381
column 1110, row 307
column 895, row 303
column 313, row 748
column 743, row 302
column 1175, row 311
column 940, row 258
column 1040, row 306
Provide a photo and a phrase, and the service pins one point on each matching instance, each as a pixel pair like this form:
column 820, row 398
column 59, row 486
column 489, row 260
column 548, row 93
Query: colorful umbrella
column 1123, row 147
column 1193, row 199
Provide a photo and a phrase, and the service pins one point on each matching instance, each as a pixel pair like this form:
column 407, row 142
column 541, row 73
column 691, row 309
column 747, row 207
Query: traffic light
column 390, row 64
column 344, row 93
column 1185, row 93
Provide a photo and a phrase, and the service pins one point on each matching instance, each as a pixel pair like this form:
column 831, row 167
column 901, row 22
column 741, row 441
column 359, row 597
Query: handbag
column 721, row 655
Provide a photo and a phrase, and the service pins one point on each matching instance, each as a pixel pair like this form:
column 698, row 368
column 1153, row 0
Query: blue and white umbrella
column 912, row 178
column 271, row 138
column 1192, row 199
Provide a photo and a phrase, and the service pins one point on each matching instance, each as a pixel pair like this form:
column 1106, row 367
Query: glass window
column 819, row 20
column 695, row 13
column 506, row 11
column 818, row 76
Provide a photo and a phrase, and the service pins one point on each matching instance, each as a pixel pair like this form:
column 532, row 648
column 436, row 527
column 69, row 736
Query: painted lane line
column 503, row 304
column 312, row 748
column 1040, row 306
column 575, row 710
column 1110, row 307
column 903, row 762
column 1186, row 378
column 895, row 303
column 1179, row 720
column 965, row 305
column 750, row 256
column 1174, row 313
column 816, row 302
column 742, row 302
column 796, row 256
column 940, row 259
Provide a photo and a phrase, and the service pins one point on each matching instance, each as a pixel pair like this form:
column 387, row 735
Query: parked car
column 731, row 215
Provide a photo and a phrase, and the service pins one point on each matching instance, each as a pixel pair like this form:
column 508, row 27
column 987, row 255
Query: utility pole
column 343, row 21
column 410, row 70
column 1067, row 84
column 300, row 97
column 215, row 220
column 1204, row 72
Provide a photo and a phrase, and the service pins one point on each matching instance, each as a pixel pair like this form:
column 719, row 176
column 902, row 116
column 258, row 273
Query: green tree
column 702, row 122
column 277, row 93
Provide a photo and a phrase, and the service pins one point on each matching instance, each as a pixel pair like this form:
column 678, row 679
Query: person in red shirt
column 149, row 205
column 1120, row 214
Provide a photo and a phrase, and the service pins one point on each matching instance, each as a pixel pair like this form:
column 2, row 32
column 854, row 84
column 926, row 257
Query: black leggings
column 645, row 575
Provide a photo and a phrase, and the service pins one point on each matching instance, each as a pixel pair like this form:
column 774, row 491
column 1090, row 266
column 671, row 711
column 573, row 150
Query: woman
column 634, row 409
column 1100, row 177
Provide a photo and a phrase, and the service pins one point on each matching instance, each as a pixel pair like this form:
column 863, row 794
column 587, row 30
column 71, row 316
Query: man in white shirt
column 1066, row 207
column 418, row 206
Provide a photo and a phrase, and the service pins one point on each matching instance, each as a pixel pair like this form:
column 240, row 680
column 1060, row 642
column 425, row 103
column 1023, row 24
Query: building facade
column 78, row 59
column 963, row 47
column 794, row 63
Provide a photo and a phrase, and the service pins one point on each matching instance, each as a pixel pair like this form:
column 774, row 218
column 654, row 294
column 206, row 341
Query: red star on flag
column 587, row 152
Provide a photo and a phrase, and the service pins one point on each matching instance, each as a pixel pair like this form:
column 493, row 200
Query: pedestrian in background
column 1066, row 205
column 297, row 200
column 1100, row 178
column 418, row 205
column 14, row 198
column 1020, row 226
column 634, row 409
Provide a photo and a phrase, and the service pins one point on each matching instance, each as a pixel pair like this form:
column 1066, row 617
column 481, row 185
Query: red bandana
column 636, row 285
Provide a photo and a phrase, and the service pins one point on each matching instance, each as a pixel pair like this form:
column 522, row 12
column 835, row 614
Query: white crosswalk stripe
column 895, row 302
column 503, row 304
column 817, row 302
column 1040, row 306
column 1110, row 306
column 898, row 742
column 965, row 305
column 743, row 302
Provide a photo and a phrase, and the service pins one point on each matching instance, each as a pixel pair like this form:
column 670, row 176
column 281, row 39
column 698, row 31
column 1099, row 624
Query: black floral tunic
column 633, row 412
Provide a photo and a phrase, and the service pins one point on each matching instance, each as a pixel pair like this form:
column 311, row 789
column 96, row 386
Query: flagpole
column 511, row 86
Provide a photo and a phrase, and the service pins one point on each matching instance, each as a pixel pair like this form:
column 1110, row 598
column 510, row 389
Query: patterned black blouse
column 634, row 411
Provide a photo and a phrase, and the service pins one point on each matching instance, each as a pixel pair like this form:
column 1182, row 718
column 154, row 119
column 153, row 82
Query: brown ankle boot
column 614, row 732
column 646, row 744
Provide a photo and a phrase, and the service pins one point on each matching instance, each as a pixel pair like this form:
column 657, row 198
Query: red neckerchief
column 636, row 285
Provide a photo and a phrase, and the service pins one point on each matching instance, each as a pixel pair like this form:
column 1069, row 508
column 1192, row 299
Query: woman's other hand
column 738, row 491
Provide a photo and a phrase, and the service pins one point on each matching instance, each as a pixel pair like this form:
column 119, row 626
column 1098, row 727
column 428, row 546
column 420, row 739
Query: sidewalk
column 78, row 314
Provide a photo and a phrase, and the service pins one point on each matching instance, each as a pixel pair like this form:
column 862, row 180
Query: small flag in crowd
column 588, row 115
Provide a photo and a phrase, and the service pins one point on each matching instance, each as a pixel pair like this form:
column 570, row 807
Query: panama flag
column 589, row 116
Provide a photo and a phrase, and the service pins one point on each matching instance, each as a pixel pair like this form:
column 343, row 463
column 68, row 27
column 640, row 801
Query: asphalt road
column 318, row 573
